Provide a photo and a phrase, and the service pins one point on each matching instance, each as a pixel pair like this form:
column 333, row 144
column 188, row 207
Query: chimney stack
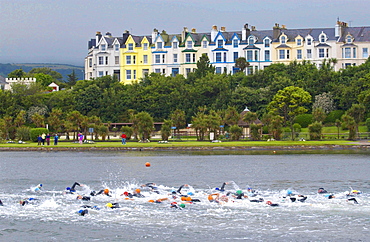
column 276, row 30
column 223, row 29
column 245, row 32
column 154, row 35
column 98, row 37
column 214, row 32
column 193, row 30
column 184, row 33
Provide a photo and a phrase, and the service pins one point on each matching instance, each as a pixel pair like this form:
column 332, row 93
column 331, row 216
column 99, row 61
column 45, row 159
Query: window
column 194, row 58
column 224, row 56
column 157, row 70
column 218, row 57
column 145, row 46
column 309, row 41
column 163, row 58
column 159, row 45
column 116, row 47
column 134, row 59
column 249, row 55
column 256, row 55
column 283, row 40
column 145, row 59
column 287, row 54
column 281, row 54
column 128, row 74
column 251, row 40
column 218, row 70
column 299, row 42
column 175, row 58
column 347, row 52
column 101, row 60
column 131, row 46
column 354, row 53
column 175, row 45
column 235, row 43
column 236, row 56
column 103, row 47
column 309, row 54
column 321, row 53
column 128, row 59
column 101, row 73
column 157, row 59
column 163, row 71
column 267, row 43
column 187, row 58
column 299, row 54
column 189, row 44
column 187, row 70
column 349, row 39
column 145, row 72
column 134, row 74
column 365, row 53
column 116, row 60
column 90, row 62
column 267, row 55
column 205, row 44
column 106, row 60
column 220, row 43
column 322, row 38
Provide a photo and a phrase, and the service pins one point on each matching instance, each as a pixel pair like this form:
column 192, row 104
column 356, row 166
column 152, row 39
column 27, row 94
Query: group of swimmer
column 178, row 198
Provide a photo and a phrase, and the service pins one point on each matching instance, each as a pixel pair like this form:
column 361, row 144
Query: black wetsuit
column 93, row 193
column 240, row 196
column 1, row 203
column 73, row 187
column 223, row 187
column 84, row 212
column 353, row 199
column 257, row 200
column 115, row 205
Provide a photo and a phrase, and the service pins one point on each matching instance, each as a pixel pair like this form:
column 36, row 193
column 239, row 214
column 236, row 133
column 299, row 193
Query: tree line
column 280, row 95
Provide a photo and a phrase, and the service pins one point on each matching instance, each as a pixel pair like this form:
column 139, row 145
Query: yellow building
column 135, row 58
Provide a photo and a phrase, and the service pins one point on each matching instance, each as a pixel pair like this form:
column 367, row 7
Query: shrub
column 34, row 133
column 235, row 132
column 315, row 131
column 23, row 133
column 255, row 132
column 368, row 124
column 304, row 120
column 128, row 131
column 333, row 116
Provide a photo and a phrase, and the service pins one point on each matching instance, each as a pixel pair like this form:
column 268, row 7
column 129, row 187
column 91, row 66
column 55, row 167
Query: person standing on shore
column 39, row 140
column 47, row 139
column 80, row 138
column 56, row 137
column 43, row 136
column 124, row 137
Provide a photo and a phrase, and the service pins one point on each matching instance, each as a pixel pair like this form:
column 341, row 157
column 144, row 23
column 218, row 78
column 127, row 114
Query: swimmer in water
column 352, row 199
column 137, row 193
column 257, row 200
column 83, row 212
column 321, row 190
column 178, row 206
column 240, row 195
column 152, row 186
column 38, row 188
column 103, row 192
column 27, row 201
column 84, row 198
column 112, row 205
column 272, row 204
column 72, row 189
column 1, row 203
column 222, row 188
column 215, row 197
column 91, row 207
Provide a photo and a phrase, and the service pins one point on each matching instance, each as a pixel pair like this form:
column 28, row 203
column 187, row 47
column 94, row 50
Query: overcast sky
column 57, row 31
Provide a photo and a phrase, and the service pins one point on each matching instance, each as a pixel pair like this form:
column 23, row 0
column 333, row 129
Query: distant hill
column 63, row 69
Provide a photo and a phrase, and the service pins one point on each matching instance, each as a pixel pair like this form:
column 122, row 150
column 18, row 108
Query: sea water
column 53, row 215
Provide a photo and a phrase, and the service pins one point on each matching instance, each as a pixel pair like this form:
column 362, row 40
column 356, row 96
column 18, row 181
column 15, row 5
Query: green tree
column 145, row 125
column 43, row 79
column 203, row 67
column 235, row 132
column 199, row 124
column 177, row 118
column 48, row 71
column 19, row 73
column 357, row 111
column 241, row 63
column 55, row 120
column 350, row 123
column 166, row 129
column 23, row 133
column 315, row 131
column 38, row 120
column 20, row 119
column 232, row 116
column 289, row 103
column 319, row 114
column 72, row 78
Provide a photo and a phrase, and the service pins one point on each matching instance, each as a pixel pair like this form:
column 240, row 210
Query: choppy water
column 54, row 217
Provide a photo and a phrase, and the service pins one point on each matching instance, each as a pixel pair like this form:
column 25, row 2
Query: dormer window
column 116, row 47
column 159, row 45
column 299, row 42
column 235, row 43
column 220, row 43
column 103, row 47
column 131, row 46
column 205, row 44
column 175, row 45
column 145, row 46
column 349, row 39
column 251, row 40
column 283, row 40
column 309, row 41
column 267, row 43
column 189, row 44
column 322, row 38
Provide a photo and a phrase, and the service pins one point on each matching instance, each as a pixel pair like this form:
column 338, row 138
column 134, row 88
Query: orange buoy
column 147, row 164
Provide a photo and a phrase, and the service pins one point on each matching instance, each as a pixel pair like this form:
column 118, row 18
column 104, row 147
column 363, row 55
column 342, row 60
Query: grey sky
column 57, row 31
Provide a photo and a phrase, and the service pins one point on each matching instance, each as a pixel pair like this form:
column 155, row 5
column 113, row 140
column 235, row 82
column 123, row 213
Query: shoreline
column 209, row 148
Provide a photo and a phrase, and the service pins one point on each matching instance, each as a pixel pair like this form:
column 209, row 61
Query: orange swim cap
column 106, row 191
column 188, row 199
column 137, row 190
column 151, row 201
column 183, row 198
